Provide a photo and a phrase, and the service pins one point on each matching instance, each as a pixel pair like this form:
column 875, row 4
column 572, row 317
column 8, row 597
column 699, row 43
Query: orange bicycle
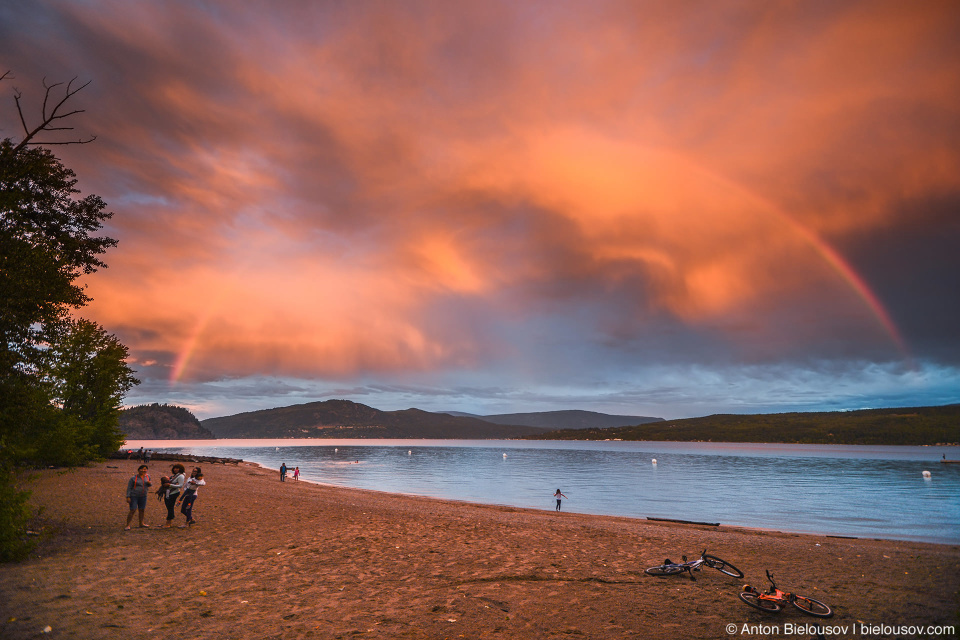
column 774, row 600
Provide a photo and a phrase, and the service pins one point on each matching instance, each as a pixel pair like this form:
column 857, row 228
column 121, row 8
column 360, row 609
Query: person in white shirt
column 177, row 480
column 193, row 483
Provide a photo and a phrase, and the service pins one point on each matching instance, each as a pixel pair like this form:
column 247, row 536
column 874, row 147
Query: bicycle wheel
column 812, row 607
column 755, row 601
column 664, row 570
column 722, row 566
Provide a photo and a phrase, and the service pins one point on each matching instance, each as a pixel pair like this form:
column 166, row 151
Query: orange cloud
column 335, row 190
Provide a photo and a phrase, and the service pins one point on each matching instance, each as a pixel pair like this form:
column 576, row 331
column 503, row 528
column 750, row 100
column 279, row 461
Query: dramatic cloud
column 633, row 207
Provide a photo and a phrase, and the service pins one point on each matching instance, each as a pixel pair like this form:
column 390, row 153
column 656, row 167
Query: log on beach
column 175, row 457
column 299, row 560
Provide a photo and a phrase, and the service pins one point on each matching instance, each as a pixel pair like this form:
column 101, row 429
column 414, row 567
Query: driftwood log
column 133, row 454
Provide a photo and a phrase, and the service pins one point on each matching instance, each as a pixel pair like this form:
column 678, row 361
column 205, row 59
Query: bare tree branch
column 50, row 115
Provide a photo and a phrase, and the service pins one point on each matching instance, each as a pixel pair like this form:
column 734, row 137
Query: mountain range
column 568, row 419
column 926, row 426
column 346, row 419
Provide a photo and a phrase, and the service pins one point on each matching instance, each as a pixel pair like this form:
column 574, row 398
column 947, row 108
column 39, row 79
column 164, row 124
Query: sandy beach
column 271, row 560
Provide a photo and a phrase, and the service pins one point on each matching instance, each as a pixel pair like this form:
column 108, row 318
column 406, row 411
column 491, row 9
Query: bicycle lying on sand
column 774, row 599
column 669, row 568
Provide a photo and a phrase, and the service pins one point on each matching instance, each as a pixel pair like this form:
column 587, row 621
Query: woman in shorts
column 137, row 494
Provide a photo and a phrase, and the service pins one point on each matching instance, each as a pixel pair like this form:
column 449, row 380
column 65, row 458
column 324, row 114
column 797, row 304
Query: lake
column 843, row 490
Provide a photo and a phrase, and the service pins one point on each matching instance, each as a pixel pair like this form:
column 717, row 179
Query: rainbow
column 832, row 258
column 190, row 346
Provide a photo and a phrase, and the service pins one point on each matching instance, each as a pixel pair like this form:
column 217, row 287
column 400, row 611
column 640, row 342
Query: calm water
column 863, row 491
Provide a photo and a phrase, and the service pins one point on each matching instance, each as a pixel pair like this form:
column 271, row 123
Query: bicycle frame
column 777, row 598
column 689, row 566
column 775, row 593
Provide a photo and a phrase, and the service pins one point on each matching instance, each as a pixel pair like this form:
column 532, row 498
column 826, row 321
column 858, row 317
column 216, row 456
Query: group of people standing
column 284, row 470
column 174, row 489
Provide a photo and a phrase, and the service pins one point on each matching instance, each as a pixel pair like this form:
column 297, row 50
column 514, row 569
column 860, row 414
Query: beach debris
column 203, row 593
column 47, row 629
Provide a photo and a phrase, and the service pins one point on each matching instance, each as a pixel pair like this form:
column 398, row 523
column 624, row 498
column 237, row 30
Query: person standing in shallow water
column 137, row 494
column 558, row 496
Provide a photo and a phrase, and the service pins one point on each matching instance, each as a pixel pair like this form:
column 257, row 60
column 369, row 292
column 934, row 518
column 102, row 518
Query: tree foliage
column 62, row 379
column 162, row 422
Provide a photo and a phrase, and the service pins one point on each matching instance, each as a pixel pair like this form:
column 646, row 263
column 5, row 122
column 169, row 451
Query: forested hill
column 161, row 422
column 346, row 419
column 901, row 426
column 565, row 419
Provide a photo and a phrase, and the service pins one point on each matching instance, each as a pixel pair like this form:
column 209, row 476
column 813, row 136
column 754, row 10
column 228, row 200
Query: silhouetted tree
column 61, row 379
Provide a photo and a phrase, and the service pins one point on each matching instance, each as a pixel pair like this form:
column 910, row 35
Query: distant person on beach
column 147, row 455
column 140, row 455
column 296, row 474
column 283, row 472
column 137, row 494
column 558, row 496
column 177, row 480
column 193, row 483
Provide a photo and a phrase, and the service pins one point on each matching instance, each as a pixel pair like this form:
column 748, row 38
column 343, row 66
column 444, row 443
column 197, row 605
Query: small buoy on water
column 504, row 455
column 409, row 453
column 654, row 462
column 926, row 474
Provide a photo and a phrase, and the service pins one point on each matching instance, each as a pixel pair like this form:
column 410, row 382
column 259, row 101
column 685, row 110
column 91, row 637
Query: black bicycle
column 670, row 568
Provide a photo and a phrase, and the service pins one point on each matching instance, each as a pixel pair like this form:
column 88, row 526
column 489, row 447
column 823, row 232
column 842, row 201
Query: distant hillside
column 161, row 422
column 345, row 419
column 903, row 426
column 570, row 419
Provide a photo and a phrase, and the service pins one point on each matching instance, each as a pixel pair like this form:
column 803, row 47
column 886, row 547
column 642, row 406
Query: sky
column 666, row 209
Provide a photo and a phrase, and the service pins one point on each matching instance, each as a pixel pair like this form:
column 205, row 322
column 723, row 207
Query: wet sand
column 296, row 560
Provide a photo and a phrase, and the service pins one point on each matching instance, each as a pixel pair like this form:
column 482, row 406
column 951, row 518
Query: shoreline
column 639, row 519
column 888, row 527
column 299, row 559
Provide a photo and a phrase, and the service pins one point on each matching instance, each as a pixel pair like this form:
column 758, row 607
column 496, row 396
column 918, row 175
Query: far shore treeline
column 897, row 426
column 345, row 419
